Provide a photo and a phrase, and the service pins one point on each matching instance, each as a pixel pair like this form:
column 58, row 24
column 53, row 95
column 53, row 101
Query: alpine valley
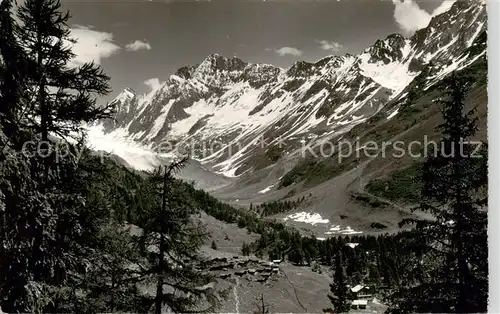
column 258, row 133
column 236, row 187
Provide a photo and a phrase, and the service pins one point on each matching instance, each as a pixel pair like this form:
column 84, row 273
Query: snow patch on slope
column 308, row 218
column 393, row 114
column 394, row 75
column 266, row 189
column 337, row 229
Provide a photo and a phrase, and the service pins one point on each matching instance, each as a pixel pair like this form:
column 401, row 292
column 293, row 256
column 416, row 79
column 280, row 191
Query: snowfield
column 337, row 229
column 308, row 218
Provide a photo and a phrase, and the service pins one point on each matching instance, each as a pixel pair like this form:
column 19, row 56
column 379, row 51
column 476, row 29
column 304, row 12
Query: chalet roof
column 357, row 288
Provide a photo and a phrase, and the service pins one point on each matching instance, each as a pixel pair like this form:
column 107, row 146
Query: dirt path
column 294, row 290
column 235, row 293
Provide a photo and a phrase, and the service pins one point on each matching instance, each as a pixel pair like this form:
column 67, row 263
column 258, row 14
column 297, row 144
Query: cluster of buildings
column 251, row 269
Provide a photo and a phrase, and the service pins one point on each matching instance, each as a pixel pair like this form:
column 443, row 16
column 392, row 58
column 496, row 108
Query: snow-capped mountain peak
column 126, row 94
column 232, row 104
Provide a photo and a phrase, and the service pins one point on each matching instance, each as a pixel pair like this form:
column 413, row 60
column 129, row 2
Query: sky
column 140, row 43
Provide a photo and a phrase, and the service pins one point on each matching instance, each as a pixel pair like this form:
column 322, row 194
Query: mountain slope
column 228, row 114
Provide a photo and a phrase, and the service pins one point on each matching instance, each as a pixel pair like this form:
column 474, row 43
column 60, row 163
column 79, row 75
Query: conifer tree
column 110, row 278
column 48, row 225
column 338, row 288
column 168, row 226
column 12, row 68
column 64, row 93
column 296, row 254
column 454, row 192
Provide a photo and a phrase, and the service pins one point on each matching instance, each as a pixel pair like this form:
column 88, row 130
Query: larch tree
column 65, row 90
column 171, row 240
column 47, row 231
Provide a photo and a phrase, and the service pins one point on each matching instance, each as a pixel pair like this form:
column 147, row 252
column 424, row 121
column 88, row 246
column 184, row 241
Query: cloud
column 445, row 6
column 92, row 45
column 288, row 51
column 138, row 45
column 410, row 17
column 153, row 83
column 329, row 45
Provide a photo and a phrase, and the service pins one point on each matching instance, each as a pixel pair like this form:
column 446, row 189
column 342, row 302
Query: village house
column 361, row 292
column 359, row 304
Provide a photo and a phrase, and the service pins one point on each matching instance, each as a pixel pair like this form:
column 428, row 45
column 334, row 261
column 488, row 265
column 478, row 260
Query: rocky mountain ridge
column 236, row 117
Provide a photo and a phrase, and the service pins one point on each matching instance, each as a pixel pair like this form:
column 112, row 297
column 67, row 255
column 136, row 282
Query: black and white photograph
column 247, row 156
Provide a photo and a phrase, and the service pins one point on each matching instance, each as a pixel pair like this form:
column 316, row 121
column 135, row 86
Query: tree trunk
column 159, row 286
column 459, row 228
